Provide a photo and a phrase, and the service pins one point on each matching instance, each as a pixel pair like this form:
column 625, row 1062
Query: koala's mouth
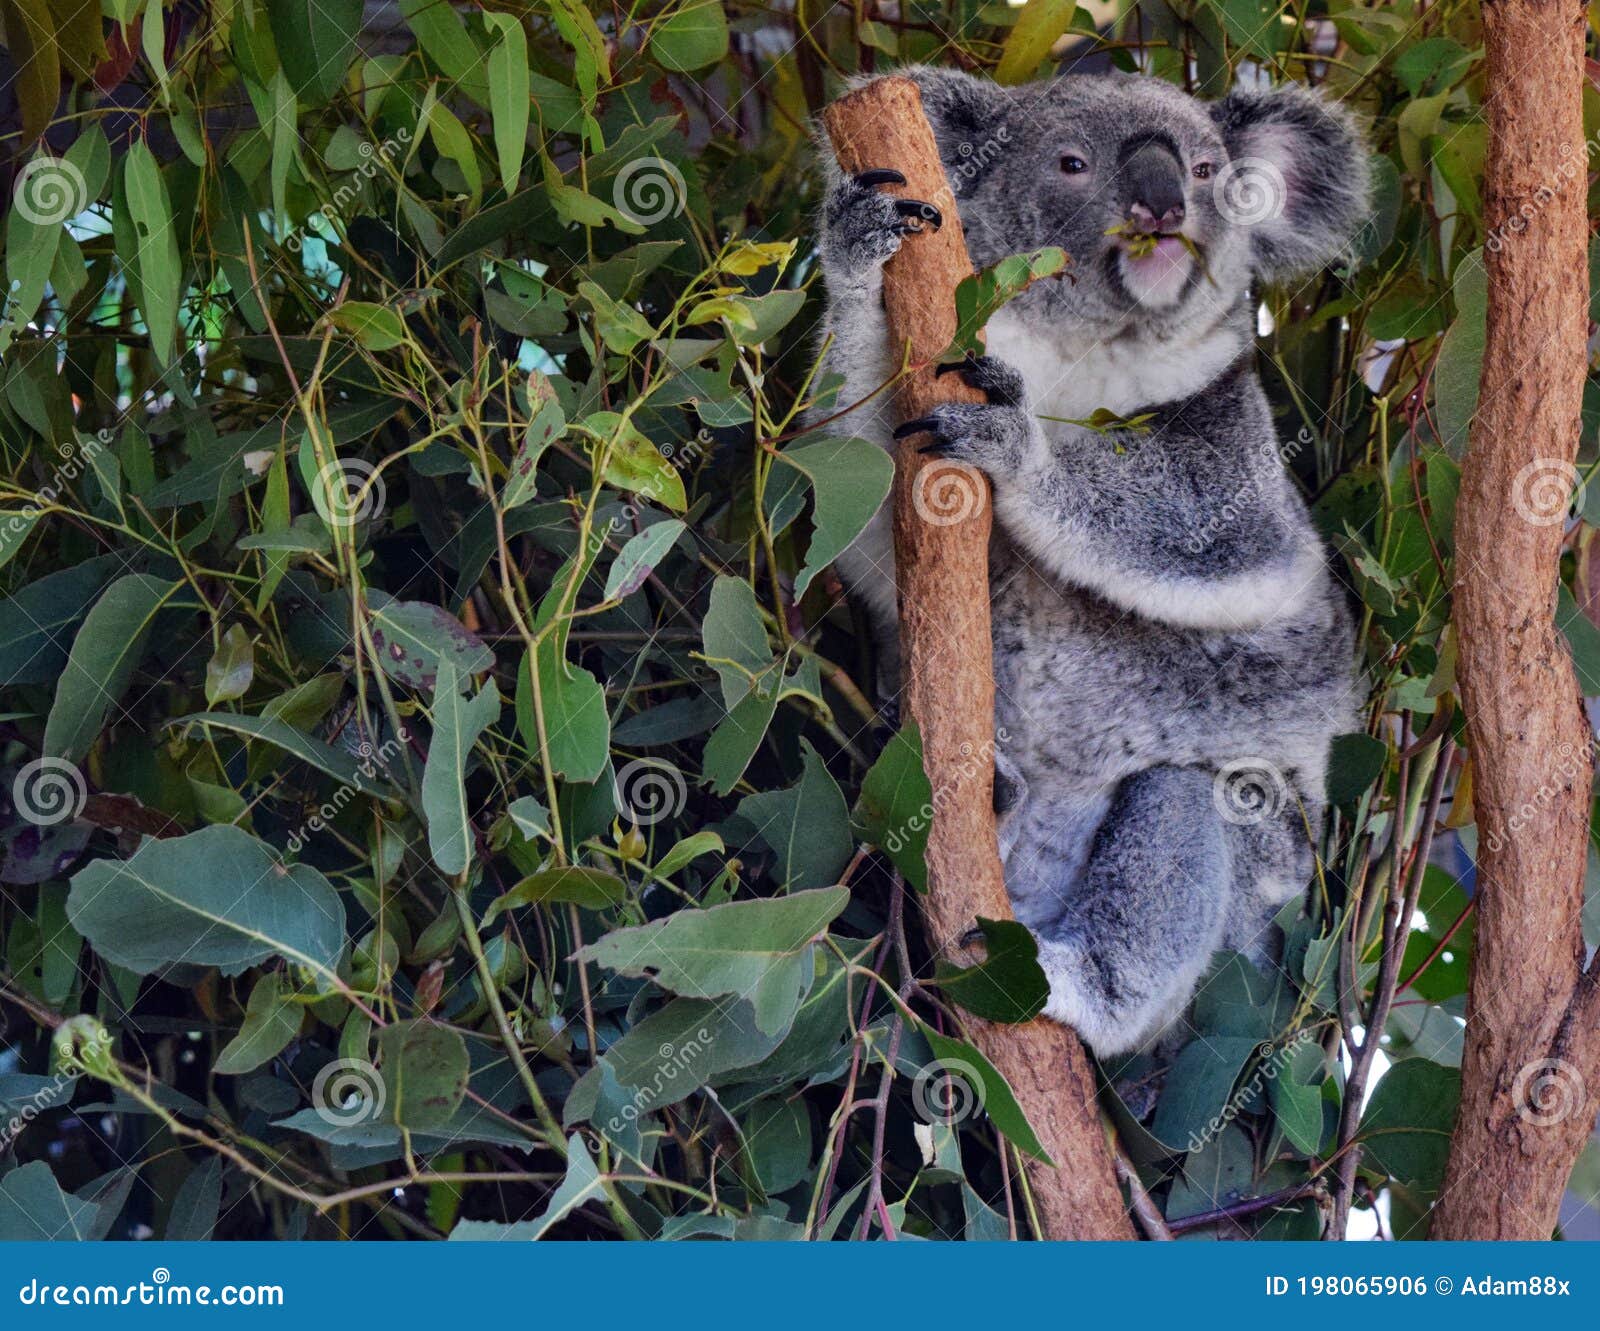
column 1138, row 244
column 1156, row 268
column 1160, row 244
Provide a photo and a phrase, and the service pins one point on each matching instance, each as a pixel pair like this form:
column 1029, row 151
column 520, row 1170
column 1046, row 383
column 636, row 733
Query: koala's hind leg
column 1139, row 928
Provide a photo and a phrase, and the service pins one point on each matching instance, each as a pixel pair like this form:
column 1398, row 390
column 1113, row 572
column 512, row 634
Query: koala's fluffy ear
column 968, row 116
column 1297, row 177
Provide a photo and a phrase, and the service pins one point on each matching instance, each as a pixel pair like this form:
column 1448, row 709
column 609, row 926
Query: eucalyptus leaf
column 216, row 897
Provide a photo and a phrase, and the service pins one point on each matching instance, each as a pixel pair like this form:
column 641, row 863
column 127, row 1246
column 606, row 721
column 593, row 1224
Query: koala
column 1172, row 652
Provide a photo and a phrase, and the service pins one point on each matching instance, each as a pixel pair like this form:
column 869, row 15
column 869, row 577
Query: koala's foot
column 1138, row 929
column 863, row 228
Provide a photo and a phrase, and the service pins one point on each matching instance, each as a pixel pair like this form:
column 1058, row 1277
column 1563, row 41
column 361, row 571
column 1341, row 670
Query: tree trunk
column 941, row 538
column 1531, row 1064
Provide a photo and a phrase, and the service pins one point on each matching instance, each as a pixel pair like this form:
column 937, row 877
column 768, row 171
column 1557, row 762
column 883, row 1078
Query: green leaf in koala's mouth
column 1136, row 244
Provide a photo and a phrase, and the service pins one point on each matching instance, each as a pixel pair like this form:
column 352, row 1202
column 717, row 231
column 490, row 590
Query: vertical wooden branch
column 1531, row 1064
column 942, row 567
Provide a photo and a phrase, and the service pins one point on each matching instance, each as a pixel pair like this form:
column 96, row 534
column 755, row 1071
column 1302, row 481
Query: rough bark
column 942, row 569
column 1531, row 1065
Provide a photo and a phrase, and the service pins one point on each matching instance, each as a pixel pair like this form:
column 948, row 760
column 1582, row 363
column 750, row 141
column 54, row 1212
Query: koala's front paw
column 863, row 228
column 993, row 439
column 1004, row 385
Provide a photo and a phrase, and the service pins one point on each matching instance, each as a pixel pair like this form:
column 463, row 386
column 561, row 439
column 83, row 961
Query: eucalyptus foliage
column 443, row 794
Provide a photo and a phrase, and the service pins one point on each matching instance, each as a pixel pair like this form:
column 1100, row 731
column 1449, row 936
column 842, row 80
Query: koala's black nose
column 1152, row 179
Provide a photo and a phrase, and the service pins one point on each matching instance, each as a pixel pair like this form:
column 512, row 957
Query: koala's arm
column 1190, row 520
column 861, row 227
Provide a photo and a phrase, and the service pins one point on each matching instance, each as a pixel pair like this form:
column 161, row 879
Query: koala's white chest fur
column 1071, row 377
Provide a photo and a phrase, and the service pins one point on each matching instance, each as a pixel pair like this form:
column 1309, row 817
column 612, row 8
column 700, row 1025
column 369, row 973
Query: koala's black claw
column 937, row 449
column 1002, row 383
column 920, row 426
column 962, row 367
column 918, row 211
column 881, row 175
column 971, row 938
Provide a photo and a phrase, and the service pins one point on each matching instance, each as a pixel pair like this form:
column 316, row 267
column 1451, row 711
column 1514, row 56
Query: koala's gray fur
column 1172, row 654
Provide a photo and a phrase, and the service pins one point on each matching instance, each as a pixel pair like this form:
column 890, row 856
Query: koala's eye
column 1073, row 165
column 1202, row 171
